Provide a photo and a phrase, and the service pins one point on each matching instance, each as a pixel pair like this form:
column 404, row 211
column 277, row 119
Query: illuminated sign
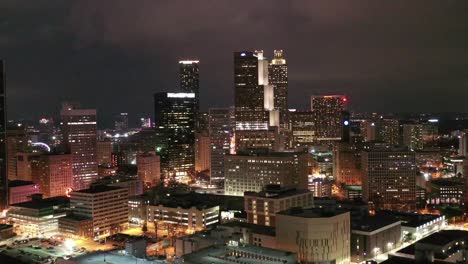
column 180, row 95
column 188, row 61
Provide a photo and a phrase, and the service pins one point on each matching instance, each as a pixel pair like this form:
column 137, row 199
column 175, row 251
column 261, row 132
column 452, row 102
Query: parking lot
column 49, row 250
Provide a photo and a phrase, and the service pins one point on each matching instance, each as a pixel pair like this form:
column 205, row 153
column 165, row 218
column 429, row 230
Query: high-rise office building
column 304, row 132
column 328, row 111
column 388, row 131
column 175, row 127
column 3, row 158
column 413, row 136
column 53, row 173
column 202, row 152
column 221, row 125
column 104, row 152
column 250, row 171
column 149, row 169
column 389, row 177
column 16, row 141
column 80, row 139
column 190, row 79
column 346, row 164
column 121, row 122
column 278, row 77
column 253, row 96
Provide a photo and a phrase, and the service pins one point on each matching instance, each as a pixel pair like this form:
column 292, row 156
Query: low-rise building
column 239, row 254
column 6, row 231
column 261, row 207
column 374, row 235
column 415, row 226
column 76, row 226
column 106, row 206
column 446, row 191
column 192, row 217
column 317, row 235
column 21, row 191
column 38, row 217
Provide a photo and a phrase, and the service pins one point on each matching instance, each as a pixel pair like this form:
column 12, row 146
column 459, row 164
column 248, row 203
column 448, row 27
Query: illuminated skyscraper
column 328, row 111
column 3, row 162
column 278, row 77
column 413, row 136
column 388, row 131
column 80, row 139
column 190, row 79
column 175, row 127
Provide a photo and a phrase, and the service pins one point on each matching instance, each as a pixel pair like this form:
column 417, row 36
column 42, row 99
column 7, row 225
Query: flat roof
column 372, row 223
column 188, row 200
column 257, row 229
column 446, row 182
column 5, row 226
column 277, row 193
column 98, row 189
column 313, row 212
column 411, row 219
column 444, row 237
column 225, row 254
column 111, row 257
column 43, row 203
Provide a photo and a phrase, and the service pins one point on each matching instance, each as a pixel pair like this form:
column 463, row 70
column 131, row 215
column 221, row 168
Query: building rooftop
column 444, row 237
column 5, row 226
column 313, row 212
column 187, row 200
column 372, row 223
column 411, row 219
column 252, row 255
column 98, row 189
column 18, row 183
column 44, row 203
column 257, row 229
column 446, row 182
column 265, row 153
column 276, row 192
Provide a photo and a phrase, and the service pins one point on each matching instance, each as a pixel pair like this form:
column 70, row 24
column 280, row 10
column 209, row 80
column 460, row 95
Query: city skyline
column 331, row 48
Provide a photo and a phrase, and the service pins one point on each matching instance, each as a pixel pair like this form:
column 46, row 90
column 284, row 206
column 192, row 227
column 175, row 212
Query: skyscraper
column 3, row 162
column 121, row 122
column 16, row 141
column 190, row 79
column 328, row 111
column 278, row 77
column 221, row 130
column 413, row 136
column 253, row 96
column 80, row 139
column 175, row 127
column 389, row 177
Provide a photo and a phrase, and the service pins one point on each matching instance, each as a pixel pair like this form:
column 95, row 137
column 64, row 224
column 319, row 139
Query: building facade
column 389, row 178
column 80, row 139
column 175, row 127
column 149, row 169
column 53, row 173
column 328, row 115
column 278, row 77
column 202, row 152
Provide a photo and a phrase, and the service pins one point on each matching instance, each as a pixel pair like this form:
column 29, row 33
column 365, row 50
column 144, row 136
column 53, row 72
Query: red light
column 345, row 99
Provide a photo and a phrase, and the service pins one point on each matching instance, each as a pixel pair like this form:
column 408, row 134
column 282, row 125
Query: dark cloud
column 113, row 55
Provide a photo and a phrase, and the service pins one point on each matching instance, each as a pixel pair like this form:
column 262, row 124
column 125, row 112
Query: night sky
column 113, row 55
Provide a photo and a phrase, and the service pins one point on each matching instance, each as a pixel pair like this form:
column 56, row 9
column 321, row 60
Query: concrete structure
column 149, row 169
column 107, row 207
column 53, row 173
column 138, row 209
column 261, row 207
column 38, row 217
column 136, row 247
column 21, row 191
column 374, row 235
column 80, row 139
column 415, row 226
column 24, row 161
column 76, row 226
column 191, row 217
column 413, row 136
column 317, row 235
column 389, row 177
column 251, row 171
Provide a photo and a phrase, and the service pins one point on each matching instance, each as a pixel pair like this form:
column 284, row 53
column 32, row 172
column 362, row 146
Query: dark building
column 175, row 127
column 121, row 122
column 3, row 161
column 389, row 177
column 278, row 77
column 328, row 111
column 80, row 139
